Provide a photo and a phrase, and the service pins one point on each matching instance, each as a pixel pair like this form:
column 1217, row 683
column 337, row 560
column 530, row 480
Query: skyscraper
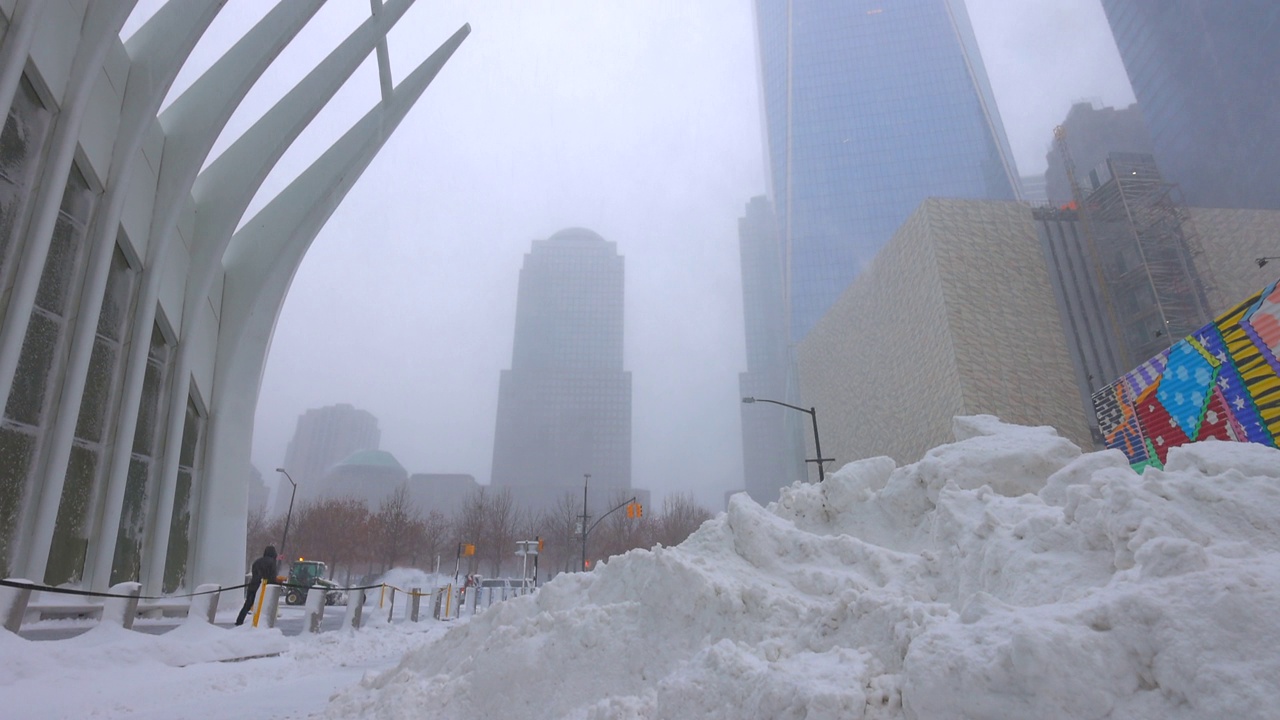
column 564, row 407
column 871, row 107
column 323, row 438
column 771, row 435
column 1204, row 73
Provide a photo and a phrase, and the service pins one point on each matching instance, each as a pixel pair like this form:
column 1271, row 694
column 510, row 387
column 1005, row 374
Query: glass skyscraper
column 564, row 407
column 1204, row 73
column 871, row 106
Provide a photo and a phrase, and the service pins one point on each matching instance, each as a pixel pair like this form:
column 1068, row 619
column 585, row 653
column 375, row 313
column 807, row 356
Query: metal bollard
column 355, row 609
column 391, row 611
column 414, row 602
column 205, row 607
column 13, row 604
column 270, row 604
column 315, row 610
column 122, row 610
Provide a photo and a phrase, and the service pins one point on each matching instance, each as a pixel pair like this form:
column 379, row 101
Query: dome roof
column 577, row 234
column 371, row 458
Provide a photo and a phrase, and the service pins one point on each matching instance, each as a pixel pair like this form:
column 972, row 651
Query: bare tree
column 434, row 537
column 558, row 526
column 393, row 526
column 498, row 533
column 261, row 532
column 334, row 530
column 681, row 515
column 471, row 524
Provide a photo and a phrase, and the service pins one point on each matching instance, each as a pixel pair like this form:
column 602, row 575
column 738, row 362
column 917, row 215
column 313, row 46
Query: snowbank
column 1006, row 575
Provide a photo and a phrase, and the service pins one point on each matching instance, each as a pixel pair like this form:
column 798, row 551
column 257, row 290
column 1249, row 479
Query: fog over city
column 638, row 120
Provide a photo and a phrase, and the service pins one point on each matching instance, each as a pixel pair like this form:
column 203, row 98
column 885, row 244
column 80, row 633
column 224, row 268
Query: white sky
column 637, row 119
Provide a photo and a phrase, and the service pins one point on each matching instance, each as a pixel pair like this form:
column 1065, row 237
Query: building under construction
column 1127, row 268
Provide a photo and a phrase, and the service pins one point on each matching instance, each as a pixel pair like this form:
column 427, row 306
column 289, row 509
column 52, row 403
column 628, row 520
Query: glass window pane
column 175, row 564
column 26, row 398
column 16, row 449
column 190, row 436
column 97, row 391
column 71, row 531
column 116, row 298
column 127, row 564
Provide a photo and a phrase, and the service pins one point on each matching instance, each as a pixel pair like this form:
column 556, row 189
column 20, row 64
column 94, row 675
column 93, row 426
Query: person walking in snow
column 264, row 568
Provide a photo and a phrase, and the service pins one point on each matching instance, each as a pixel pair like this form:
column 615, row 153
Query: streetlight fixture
column 813, row 415
column 288, row 516
column 1262, row 261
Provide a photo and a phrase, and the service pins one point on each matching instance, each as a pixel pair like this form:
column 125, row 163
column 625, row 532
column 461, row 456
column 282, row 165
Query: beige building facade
column 956, row 316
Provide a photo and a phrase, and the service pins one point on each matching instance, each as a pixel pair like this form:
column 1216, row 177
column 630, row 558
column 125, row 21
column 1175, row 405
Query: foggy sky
column 638, row 119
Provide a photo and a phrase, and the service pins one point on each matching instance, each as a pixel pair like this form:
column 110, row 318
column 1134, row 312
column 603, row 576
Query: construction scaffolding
column 1149, row 253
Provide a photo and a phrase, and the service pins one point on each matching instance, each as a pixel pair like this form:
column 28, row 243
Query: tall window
column 21, row 146
column 85, row 467
column 127, row 564
column 175, row 565
column 39, row 365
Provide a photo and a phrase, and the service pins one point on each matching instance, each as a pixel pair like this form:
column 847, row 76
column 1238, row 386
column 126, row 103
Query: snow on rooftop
column 1006, row 575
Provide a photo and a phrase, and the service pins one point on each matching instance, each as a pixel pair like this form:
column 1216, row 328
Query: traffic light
column 635, row 510
column 639, row 510
column 468, row 550
column 541, row 543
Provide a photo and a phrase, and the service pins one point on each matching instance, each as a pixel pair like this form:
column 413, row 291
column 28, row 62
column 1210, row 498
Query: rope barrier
column 90, row 593
column 24, row 585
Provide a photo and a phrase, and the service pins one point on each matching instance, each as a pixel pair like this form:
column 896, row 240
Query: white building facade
column 136, row 317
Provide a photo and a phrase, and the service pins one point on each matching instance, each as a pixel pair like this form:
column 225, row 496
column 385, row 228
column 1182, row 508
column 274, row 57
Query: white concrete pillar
column 204, row 607
column 13, row 604
column 122, row 610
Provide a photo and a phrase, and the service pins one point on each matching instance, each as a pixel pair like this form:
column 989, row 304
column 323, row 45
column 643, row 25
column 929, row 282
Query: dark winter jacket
column 264, row 568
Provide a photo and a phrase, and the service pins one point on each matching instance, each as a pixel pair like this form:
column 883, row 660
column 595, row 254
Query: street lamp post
column 586, row 477
column 817, row 444
column 288, row 516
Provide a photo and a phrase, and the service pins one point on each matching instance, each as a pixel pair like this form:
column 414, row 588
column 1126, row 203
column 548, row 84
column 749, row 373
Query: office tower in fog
column 564, row 407
column 870, row 108
column 772, row 437
column 324, row 437
column 1204, row 73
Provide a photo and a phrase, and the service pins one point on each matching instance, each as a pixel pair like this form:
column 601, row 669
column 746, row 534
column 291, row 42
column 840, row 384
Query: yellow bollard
column 257, row 610
column 448, row 601
column 381, row 594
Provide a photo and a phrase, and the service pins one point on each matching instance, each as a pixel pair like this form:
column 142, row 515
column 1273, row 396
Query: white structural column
column 260, row 263
column 157, row 51
column 192, row 124
column 222, row 193
column 102, row 23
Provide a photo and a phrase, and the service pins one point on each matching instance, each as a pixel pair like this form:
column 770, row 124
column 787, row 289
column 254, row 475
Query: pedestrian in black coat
column 264, row 568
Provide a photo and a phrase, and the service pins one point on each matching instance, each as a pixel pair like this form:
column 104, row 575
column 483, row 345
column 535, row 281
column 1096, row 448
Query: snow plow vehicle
column 307, row 575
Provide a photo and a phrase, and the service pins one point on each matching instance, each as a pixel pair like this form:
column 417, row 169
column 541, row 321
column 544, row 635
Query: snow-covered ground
column 1006, row 575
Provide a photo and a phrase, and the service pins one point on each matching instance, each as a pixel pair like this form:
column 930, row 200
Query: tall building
column 870, row 107
column 564, row 407
column 323, row 437
column 938, row 329
column 1204, row 75
column 772, row 452
column 138, row 292
column 1092, row 133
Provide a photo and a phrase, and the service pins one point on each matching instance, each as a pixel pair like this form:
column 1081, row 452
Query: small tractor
column 308, row 574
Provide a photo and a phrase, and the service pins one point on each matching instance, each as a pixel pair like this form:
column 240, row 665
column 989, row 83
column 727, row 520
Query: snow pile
column 1006, row 575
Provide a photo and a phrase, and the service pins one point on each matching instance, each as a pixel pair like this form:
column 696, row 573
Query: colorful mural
column 1222, row 382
